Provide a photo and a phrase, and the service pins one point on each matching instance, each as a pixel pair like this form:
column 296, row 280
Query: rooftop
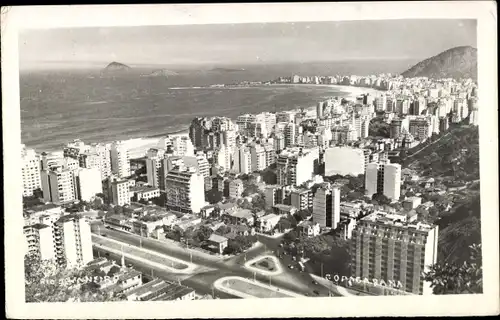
column 217, row 238
column 38, row 226
column 143, row 189
column 242, row 213
column 151, row 286
column 70, row 217
column 285, row 207
column 129, row 274
column 269, row 217
column 43, row 207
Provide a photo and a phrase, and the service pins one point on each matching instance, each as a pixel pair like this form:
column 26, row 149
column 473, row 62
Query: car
column 290, row 266
column 316, row 292
column 104, row 235
column 314, row 282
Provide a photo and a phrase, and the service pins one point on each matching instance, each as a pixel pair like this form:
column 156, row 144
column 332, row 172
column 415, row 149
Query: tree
column 283, row 224
column 250, row 189
column 46, row 281
column 118, row 210
column 113, row 271
column 381, row 199
column 458, row 278
column 213, row 196
column 204, row 233
column 302, row 215
column 290, row 236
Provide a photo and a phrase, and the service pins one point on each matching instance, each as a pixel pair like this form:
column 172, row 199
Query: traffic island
column 266, row 265
column 247, row 289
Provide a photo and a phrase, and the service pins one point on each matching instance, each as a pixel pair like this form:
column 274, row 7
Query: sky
column 232, row 44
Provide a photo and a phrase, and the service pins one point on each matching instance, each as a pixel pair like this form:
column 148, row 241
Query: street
column 290, row 279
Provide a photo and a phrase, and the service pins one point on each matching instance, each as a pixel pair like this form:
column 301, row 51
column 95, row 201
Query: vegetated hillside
column 456, row 158
column 460, row 229
column 458, row 62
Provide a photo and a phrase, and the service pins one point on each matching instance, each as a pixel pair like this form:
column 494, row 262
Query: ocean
column 60, row 106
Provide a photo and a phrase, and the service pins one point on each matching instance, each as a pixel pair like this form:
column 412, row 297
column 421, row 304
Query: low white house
column 268, row 222
column 309, row 229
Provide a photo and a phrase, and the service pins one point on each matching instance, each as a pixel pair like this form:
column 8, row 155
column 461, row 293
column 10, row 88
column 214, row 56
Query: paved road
column 290, row 279
column 198, row 282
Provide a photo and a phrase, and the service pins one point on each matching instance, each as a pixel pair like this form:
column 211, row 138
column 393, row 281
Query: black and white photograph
column 313, row 160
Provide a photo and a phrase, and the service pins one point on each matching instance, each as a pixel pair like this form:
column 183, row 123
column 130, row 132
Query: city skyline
column 245, row 44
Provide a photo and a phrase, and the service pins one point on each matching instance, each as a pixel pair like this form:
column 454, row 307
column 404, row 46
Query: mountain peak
column 116, row 67
column 457, row 62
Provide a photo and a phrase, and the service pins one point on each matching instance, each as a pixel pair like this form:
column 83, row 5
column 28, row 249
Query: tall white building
column 66, row 240
column 119, row 191
column 371, row 179
column 185, row 190
column 30, row 171
column 40, row 241
column 392, row 181
column 290, row 135
column 344, row 161
column 88, row 183
column 242, row 160
column 236, row 188
column 222, row 158
column 258, row 157
column 182, row 146
column 296, row 166
column 104, row 153
column 326, row 206
column 72, row 241
column 120, row 160
column 383, row 179
column 389, row 248
column 154, row 163
column 58, row 185
column 380, row 102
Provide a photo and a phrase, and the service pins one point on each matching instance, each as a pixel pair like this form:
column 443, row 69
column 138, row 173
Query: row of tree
column 46, row 281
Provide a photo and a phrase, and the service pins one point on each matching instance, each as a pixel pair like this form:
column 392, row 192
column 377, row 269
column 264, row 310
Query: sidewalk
column 140, row 259
column 153, row 254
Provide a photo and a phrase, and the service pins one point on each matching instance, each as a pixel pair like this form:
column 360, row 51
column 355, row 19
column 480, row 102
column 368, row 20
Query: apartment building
column 154, row 157
column 120, row 160
column 58, row 185
column 296, row 165
column 326, row 206
column 302, row 199
column 30, row 171
column 387, row 247
column 258, row 157
column 383, row 178
column 66, row 240
column 119, row 191
column 88, row 183
column 236, row 188
column 185, row 190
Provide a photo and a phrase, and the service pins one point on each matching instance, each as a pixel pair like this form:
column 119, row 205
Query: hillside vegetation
column 458, row 62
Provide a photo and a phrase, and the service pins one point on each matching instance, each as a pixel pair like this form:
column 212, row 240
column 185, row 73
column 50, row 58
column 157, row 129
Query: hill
column 458, row 62
column 115, row 67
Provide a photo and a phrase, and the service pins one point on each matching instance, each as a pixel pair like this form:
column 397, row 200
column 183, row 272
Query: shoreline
column 137, row 144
